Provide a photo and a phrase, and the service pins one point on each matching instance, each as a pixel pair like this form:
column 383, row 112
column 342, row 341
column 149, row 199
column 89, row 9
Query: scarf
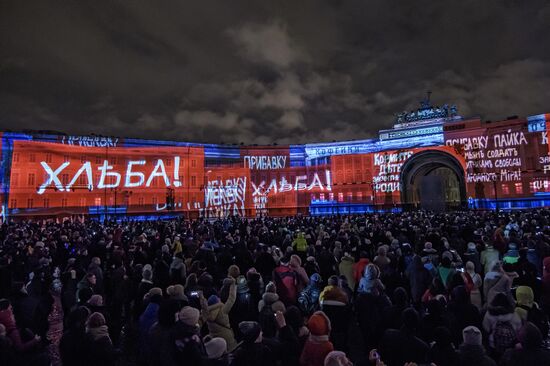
column 318, row 338
column 99, row 332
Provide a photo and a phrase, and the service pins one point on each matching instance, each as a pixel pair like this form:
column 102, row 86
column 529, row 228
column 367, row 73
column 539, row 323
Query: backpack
column 504, row 336
column 286, row 285
column 538, row 318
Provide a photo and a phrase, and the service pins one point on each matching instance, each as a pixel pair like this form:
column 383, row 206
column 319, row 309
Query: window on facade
column 63, row 202
column 518, row 187
column 193, row 163
column 13, row 203
column 65, row 179
column 66, row 158
column 32, row 158
column 48, row 158
column 505, row 189
column 140, row 201
column 340, row 196
column 16, row 157
column 15, row 179
column 46, row 202
column 31, row 179
column 193, row 181
column 30, row 203
column 82, row 201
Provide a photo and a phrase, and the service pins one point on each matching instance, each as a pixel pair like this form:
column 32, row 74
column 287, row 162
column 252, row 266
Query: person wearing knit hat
column 217, row 316
column 215, row 348
column 337, row 358
column 189, row 316
column 99, row 347
column 233, row 271
column 270, row 299
column 252, row 351
column 332, row 294
column 318, row 346
column 472, row 336
column 155, row 291
column 250, row 331
column 471, row 351
column 176, row 292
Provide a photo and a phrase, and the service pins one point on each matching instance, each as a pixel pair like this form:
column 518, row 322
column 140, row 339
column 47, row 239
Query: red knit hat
column 319, row 324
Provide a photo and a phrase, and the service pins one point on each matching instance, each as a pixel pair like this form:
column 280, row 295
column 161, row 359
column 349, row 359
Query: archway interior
column 435, row 188
column 431, row 181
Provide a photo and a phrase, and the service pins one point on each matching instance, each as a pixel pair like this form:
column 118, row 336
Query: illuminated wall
column 62, row 175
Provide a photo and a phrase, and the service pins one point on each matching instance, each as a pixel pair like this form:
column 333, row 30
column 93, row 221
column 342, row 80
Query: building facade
column 432, row 159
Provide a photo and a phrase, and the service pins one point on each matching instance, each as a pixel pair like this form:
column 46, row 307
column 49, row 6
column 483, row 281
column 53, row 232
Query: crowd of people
column 461, row 288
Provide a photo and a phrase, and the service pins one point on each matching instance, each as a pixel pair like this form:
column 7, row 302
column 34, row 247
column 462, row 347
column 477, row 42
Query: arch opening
column 433, row 180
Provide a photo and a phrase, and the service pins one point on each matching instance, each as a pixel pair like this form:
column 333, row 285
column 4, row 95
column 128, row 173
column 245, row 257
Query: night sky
column 265, row 71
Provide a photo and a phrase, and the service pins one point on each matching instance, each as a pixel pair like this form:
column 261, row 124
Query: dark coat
column 99, row 352
column 72, row 346
column 400, row 346
column 469, row 355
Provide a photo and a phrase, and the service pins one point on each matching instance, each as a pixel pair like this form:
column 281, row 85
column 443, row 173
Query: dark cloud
column 263, row 72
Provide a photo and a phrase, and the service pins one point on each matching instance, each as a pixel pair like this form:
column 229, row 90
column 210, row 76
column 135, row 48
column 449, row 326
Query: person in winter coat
column 346, row 268
column 252, row 351
column 318, row 346
column 286, row 281
column 461, row 313
column 337, row 358
column 302, row 278
column 12, row 332
column 471, row 351
column 186, row 347
column 7, row 352
column 419, row 279
column 243, row 309
column 545, row 286
column 392, row 313
column 496, row 281
column 472, row 255
column 217, row 316
column 216, row 351
column 300, row 245
column 359, row 268
column 477, row 284
column 99, row 347
column 500, row 313
column 442, row 352
column 162, row 347
column 382, row 260
column 531, row 352
column 271, row 299
column 73, row 340
column 528, row 310
column 308, row 300
column 147, row 320
column 370, row 282
column 333, row 294
column 488, row 257
column 178, row 272
column 400, row 346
